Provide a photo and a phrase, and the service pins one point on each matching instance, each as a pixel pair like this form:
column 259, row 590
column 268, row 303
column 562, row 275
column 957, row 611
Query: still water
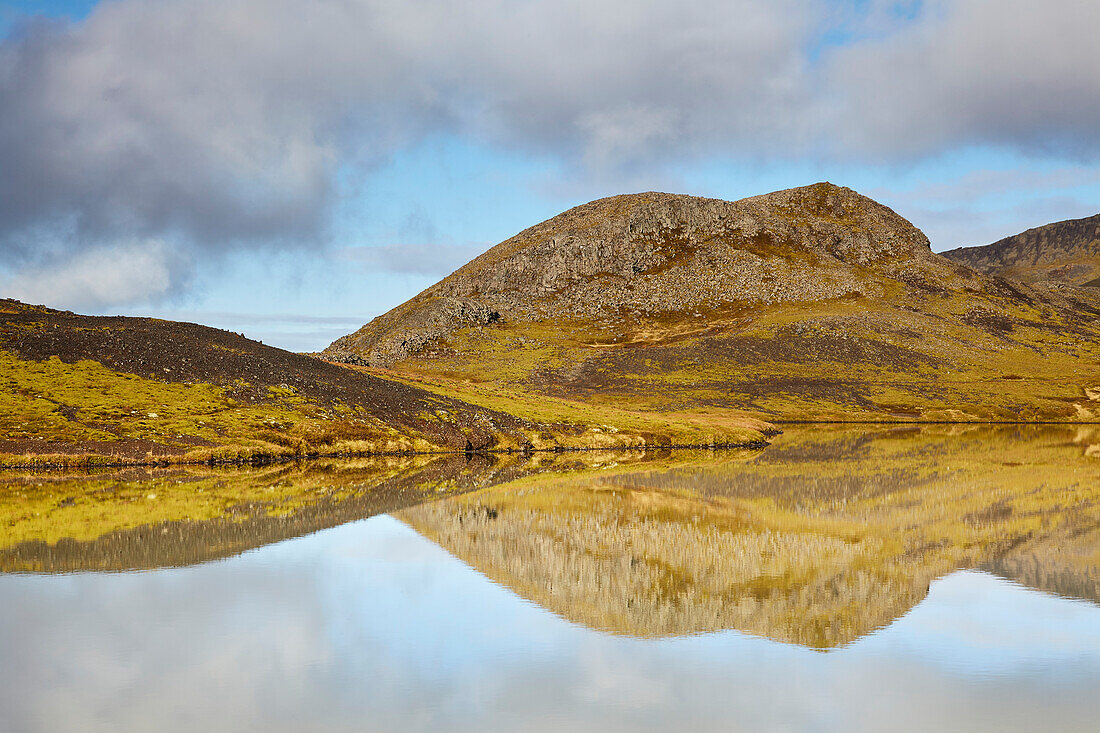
column 838, row 580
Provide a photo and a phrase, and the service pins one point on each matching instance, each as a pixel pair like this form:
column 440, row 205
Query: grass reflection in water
column 817, row 540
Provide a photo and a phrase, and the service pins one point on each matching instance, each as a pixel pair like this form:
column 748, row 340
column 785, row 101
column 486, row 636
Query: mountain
column 810, row 303
column 81, row 389
column 1066, row 251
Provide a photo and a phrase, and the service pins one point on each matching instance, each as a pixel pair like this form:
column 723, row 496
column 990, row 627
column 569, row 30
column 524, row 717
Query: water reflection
column 817, row 541
column 820, row 539
column 607, row 570
column 143, row 519
column 371, row 627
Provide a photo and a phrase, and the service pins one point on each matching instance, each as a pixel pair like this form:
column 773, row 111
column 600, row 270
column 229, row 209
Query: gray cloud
column 226, row 119
column 211, row 125
column 219, row 124
column 979, row 184
column 1012, row 73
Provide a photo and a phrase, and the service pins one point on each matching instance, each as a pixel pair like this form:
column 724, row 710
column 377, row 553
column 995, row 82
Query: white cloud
column 129, row 273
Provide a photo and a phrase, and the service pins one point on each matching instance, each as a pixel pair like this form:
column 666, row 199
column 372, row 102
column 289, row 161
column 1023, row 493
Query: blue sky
column 290, row 170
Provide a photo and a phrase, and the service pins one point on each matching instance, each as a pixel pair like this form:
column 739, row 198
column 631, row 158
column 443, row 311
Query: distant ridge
column 1066, row 251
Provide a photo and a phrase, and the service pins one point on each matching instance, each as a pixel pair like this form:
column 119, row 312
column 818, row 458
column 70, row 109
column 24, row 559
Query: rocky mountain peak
column 653, row 252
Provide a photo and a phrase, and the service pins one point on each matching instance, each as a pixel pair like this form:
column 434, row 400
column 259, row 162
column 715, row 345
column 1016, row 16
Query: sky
column 291, row 169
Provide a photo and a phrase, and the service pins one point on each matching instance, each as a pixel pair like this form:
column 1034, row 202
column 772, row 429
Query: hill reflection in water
column 818, row 540
column 144, row 519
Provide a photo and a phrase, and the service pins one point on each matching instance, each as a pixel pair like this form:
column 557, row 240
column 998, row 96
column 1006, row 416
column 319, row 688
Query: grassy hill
column 814, row 303
column 80, row 390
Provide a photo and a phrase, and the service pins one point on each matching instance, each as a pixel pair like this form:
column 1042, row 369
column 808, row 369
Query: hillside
column 82, row 389
column 810, row 303
column 1066, row 251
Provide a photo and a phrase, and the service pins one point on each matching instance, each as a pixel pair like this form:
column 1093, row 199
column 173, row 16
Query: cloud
column 128, row 273
column 226, row 119
column 226, row 124
column 979, row 184
column 1009, row 73
column 218, row 125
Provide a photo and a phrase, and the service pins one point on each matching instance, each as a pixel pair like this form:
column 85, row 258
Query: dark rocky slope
column 1066, row 251
column 142, row 387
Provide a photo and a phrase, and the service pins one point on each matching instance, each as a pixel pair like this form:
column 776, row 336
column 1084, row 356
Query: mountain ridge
column 1065, row 251
column 657, row 252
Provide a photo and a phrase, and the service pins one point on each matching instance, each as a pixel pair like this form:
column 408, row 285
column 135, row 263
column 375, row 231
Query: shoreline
column 88, row 459
column 61, row 462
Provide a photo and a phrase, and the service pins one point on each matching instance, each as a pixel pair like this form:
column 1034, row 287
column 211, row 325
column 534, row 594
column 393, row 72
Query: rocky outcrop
column 654, row 253
column 1067, row 251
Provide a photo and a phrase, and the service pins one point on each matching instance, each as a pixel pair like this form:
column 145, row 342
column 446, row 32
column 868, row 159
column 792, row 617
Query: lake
column 852, row 578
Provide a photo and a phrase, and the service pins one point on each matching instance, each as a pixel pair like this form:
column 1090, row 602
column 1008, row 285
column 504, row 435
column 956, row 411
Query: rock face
column 1067, row 251
column 654, row 253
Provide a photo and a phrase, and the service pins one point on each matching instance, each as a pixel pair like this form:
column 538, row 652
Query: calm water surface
column 840, row 580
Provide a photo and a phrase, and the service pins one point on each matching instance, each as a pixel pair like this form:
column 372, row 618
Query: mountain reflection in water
column 878, row 546
column 817, row 540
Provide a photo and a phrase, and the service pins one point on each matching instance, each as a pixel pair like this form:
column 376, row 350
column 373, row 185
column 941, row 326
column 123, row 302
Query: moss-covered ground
column 850, row 359
column 67, row 405
column 79, row 390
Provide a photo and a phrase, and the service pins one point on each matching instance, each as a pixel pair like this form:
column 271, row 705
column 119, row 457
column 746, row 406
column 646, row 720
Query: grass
column 601, row 425
column 56, row 402
column 845, row 359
